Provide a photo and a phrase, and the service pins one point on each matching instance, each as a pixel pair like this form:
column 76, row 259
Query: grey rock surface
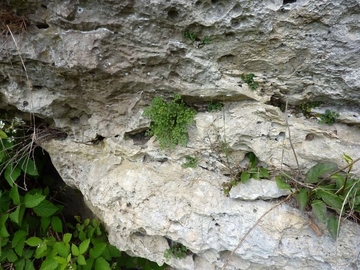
column 93, row 66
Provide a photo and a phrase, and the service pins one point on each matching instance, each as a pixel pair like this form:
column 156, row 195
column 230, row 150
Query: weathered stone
column 93, row 66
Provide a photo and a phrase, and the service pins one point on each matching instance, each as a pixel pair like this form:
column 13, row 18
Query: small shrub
column 328, row 117
column 249, row 80
column 306, row 107
column 191, row 162
column 178, row 251
column 170, row 121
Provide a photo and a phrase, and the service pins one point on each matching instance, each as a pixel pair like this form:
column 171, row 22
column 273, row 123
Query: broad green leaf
column 45, row 209
column 32, row 200
column 11, row 256
column 20, row 264
column 49, row 264
column 45, row 222
column 60, row 260
column 3, row 134
column 333, row 226
column 101, row 264
column 264, row 173
column 75, row 250
column 339, row 180
column 18, row 242
column 67, row 237
column 84, row 245
column 86, row 221
column 29, row 265
column 95, row 223
column 56, row 224
column 14, row 195
column 34, row 241
column 11, row 174
column 89, row 264
column 320, row 170
column 331, row 199
column 18, row 214
column 63, row 249
column 97, row 250
column 28, row 166
column 3, row 230
column 245, row 177
column 41, row 250
column 114, row 252
column 319, row 210
column 302, row 198
column 81, row 260
column 281, row 183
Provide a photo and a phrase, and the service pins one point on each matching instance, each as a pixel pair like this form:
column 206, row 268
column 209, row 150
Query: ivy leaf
column 319, row 210
column 320, row 170
column 332, row 226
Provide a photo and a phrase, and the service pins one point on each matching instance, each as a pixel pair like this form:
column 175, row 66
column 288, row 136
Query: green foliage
column 251, row 171
column 249, row 80
column 178, row 251
column 329, row 191
column 193, row 37
column 169, row 121
column 306, row 107
column 191, row 162
column 328, row 117
column 33, row 234
column 214, row 106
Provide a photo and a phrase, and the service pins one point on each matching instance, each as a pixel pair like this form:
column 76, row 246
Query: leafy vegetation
column 328, row 117
column 244, row 175
column 329, row 192
column 249, row 80
column 191, row 162
column 33, row 234
column 214, row 106
column 306, row 107
column 178, row 251
column 193, row 37
column 169, row 121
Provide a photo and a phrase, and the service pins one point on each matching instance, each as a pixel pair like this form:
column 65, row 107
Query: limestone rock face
column 93, row 66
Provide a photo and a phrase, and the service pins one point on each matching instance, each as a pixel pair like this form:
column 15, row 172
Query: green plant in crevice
column 178, row 251
column 214, row 106
column 191, row 162
column 193, row 37
column 169, row 121
column 249, row 80
column 306, row 107
column 329, row 193
column 252, row 171
column 328, row 117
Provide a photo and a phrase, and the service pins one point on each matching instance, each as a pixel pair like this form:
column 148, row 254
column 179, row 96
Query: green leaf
column 11, row 174
column 63, row 249
column 17, row 215
column 3, row 134
column 41, row 250
column 281, row 184
column 20, row 264
column 49, row 264
column 114, row 252
column 45, row 222
column 11, row 256
column 29, row 265
column 67, row 237
column 319, row 210
column 332, row 226
column 84, row 245
column 302, row 198
column 60, row 260
column 89, row 264
column 45, row 209
column 101, row 264
column 14, row 195
column 56, row 224
column 97, row 250
column 32, row 200
column 28, row 166
column 331, row 199
column 18, row 242
column 320, row 170
column 264, row 173
column 245, row 177
column 34, row 241
column 3, row 230
column 75, row 250
column 81, row 260
column 339, row 179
